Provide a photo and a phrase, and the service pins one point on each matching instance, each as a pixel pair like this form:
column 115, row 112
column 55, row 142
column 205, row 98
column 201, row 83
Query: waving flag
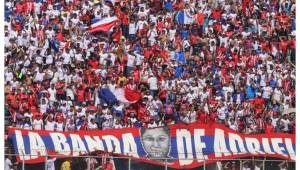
column 123, row 95
column 104, row 24
column 132, row 95
column 183, row 18
column 107, row 96
column 180, row 57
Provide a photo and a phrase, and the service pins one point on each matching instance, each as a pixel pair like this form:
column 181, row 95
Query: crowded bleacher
column 160, row 63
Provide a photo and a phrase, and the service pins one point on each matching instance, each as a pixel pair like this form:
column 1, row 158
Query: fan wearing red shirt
column 23, row 96
column 59, row 116
column 94, row 63
column 216, row 14
column 160, row 25
column 293, row 49
column 213, row 103
column 89, row 77
column 11, row 98
column 88, row 94
column 18, row 26
column 178, row 5
column 193, row 39
column 136, row 75
column 202, row 117
column 200, row 18
column 269, row 128
column 60, row 36
column 60, row 92
column 143, row 114
column 24, row 105
column 284, row 43
column 259, row 103
column 125, row 24
column 116, row 35
column 19, row 7
column 34, row 111
column 80, row 94
column 212, row 116
column 221, row 49
column 91, row 106
column 148, row 52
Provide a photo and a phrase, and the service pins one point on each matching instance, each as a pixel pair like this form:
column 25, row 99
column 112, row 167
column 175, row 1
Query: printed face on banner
column 156, row 142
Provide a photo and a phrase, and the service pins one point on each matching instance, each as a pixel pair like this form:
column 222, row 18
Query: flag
column 180, row 57
column 107, row 96
column 183, row 17
column 104, row 24
column 132, row 95
column 179, row 71
column 123, row 95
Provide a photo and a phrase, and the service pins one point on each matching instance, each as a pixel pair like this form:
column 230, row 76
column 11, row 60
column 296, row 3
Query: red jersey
column 200, row 18
column 269, row 128
column 80, row 95
column 216, row 14
column 284, row 46
column 212, row 117
column 202, row 118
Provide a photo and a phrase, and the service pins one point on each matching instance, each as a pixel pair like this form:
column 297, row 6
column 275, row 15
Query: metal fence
column 101, row 162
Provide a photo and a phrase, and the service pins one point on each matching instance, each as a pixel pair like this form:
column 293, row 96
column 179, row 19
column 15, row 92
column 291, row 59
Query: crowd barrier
column 100, row 162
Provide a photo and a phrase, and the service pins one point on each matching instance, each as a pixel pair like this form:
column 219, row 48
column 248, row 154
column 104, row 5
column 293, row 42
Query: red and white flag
column 104, row 24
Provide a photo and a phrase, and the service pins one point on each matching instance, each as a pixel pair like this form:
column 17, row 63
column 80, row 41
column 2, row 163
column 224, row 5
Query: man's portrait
column 156, row 142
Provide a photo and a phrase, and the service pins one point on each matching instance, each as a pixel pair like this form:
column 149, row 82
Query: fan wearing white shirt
column 38, row 123
column 132, row 30
column 8, row 164
column 50, row 124
column 44, row 105
column 153, row 84
column 8, row 75
column 92, row 125
column 139, row 59
column 143, row 13
column 59, row 126
column 277, row 94
column 152, row 34
column 52, row 92
column 285, row 122
column 66, row 56
column 267, row 91
column 50, row 33
column 27, row 124
column 39, row 76
column 232, row 124
column 221, row 111
column 130, row 63
column 117, row 124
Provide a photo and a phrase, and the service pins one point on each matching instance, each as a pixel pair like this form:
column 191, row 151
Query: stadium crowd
column 225, row 61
